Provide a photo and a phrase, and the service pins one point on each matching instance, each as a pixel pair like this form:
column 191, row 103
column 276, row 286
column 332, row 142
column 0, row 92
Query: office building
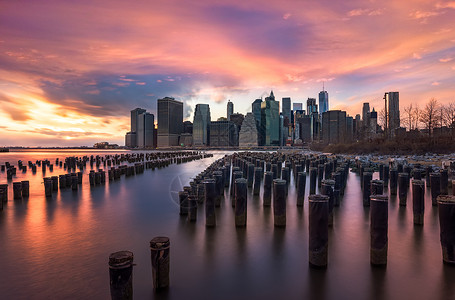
column 392, row 109
column 237, row 119
column 256, row 109
column 170, row 122
column 230, row 109
column 297, row 106
column 201, row 125
column 248, row 136
column 333, row 126
column 270, row 117
column 223, row 134
column 323, row 101
column 311, row 106
column 145, row 127
column 286, row 111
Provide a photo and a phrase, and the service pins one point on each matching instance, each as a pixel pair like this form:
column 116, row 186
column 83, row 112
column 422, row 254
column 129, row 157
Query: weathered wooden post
column 403, row 188
column 444, row 182
column 377, row 187
column 210, row 194
column 320, row 174
column 275, row 171
column 428, row 172
column 192, row 208
column 160, row 256
column 236, row 175
column 386, row 175
column 48, row 186
column 279, row 202
column 327, row 188
column 121, row 275
column 367, row 176
column 250, row 175
column 267, row 194
column 17, row 190
column 183, row 202
column 219, row 187
column 313, row 177
column 379, row 218
column 54, row 183
column 25, row 188
column 301, row 182
column 3, row 193
column 257, row 180
column 418, row 201
column 241, row 192
column 318, row 230
column 435, row 185
column 453, row 187
column 337, row 189
column 393, row 181
column 446, row 207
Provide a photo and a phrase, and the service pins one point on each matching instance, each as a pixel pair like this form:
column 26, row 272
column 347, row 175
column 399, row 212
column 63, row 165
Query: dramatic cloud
column 73, row 70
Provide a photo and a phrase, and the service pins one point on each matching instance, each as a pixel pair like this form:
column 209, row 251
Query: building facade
column 230, row 109
column 333, row 127
column 201, row 125
column 248, row 136
column 223, row 134
column 270, row 116
column 392, row 106
column 170, row 122
column 323, row 101
column 145, row 127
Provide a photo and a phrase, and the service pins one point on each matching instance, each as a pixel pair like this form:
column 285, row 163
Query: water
column 59, row 248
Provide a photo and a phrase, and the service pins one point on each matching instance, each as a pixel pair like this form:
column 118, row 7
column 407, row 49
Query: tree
column 382, row 118
column 429, row 114
column 449, row 115
column 407, row 118
column 415, row 116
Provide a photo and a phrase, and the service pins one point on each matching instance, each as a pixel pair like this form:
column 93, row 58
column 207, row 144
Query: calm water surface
column 58, row 248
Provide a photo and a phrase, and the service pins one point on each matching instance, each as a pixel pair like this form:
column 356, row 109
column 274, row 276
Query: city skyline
column 70, row 77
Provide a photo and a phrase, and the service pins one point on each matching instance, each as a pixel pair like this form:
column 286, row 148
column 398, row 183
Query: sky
column 71, row 71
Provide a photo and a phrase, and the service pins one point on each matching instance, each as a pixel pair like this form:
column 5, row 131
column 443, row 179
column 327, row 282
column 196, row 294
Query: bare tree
column 407, row 118
column 429, row 115
column 415, row 116
column 449, row 115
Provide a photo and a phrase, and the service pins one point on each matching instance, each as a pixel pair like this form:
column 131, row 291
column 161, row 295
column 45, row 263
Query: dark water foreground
column 58, row 248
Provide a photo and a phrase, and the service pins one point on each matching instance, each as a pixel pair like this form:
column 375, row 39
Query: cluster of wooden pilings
column 395, row 180
column 245, row 171
column 121, row 269
column 248, row 170
column 128, row 164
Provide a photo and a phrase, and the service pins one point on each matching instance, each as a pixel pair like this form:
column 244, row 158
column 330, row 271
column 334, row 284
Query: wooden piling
column 446, row 207
column 121, row 275
column 241, row 192
column 435, row 186
column 379, row 229
column 279, row 202
column 318, row 230
column 403, row 188
column 160, row 257
column 301, row 182
column 418, row 201
column 267, row 193
column 210, row 194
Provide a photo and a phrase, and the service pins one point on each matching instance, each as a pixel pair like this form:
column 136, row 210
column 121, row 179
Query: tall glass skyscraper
column 170, row 121
column 270, row 116
column 286, row 111
column 323, row 101
column 201, row 125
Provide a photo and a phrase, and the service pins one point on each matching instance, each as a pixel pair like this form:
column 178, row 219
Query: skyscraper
column 286, row 111
column 230, row 109
column 270, row 117
column 297, row 106
column 145, row 126
column 141, row 134
column 256, row 109
column 201, row 125
column 248, row 135
column 170, row 121
column 134, row 114
column 392, row 109
column 311, row 106
column 223, row 134
column 333, row 126
column 323, row 101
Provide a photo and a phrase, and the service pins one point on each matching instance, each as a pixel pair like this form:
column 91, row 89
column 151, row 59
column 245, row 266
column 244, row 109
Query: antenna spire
column 323, row 88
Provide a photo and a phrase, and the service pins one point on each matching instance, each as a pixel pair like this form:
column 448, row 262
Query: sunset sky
column 70, row 71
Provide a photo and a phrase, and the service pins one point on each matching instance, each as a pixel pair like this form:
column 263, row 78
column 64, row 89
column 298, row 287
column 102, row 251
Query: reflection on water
column 58, row 248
